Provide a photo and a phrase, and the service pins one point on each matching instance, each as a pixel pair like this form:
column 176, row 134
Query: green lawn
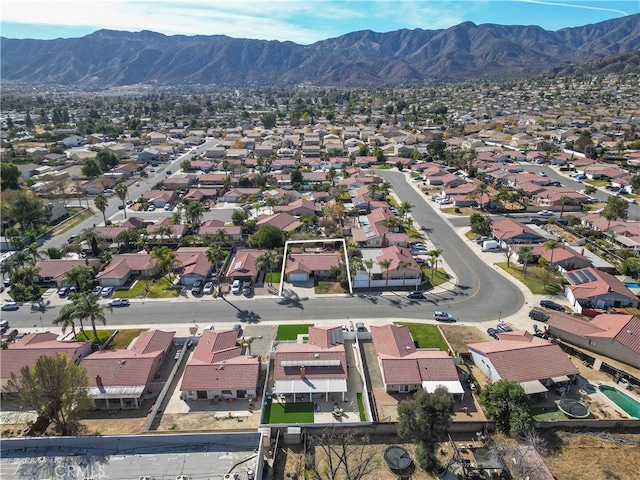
column 137, row 290
column 273, row 278
column 161, row 289
column 149, row 288
column 439, row 278
column 596, row 183
column 288, row 413
column 541, row 415
column 531, row 282
column 291, row 332
column 124, row 337
column 87, row 334
column 426, row 336
column 363, row 414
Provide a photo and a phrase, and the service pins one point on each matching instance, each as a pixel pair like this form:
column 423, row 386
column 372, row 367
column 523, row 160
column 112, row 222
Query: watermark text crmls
column 74, row 472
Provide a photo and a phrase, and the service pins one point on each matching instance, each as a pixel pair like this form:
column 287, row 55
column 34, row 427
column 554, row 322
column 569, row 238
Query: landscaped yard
column 291, row 332
column 149, row 288
column 328, row 287
column 124, row 337
column 87, row 334
column 289, row 412
column 272, row 278
column 534, row 278
column 426, row 336
column 439, row 277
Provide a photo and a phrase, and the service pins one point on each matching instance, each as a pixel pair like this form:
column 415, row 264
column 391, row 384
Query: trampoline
column 399, row 461
column 573, row 408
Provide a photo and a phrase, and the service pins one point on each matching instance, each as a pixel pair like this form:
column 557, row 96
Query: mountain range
column 464, row 51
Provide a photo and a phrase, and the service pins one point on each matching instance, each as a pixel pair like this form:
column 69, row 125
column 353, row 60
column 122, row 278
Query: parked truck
column 490, row 245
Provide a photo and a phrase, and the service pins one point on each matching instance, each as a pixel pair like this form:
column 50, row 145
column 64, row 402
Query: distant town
column 288, row 273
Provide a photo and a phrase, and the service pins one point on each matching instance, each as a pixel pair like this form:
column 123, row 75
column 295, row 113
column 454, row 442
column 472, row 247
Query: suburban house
column 98, row 185
column 591, row 288
column 236, row 194
column 406, row 368
column 509, row 231
column 174, row 232
column 564, row 257
column 402, row 269
column 282, row 220
column 297, row 207
column 233, row 233
column 304, row 266
column 316, row 370
column 218, row 370
column 55, row 270
column 160, row 198
column 243, row 266
column 26, row 351
column 535, row 363
column 193, row 264
column 616, row 336
column 126, row 266
column 123, row 378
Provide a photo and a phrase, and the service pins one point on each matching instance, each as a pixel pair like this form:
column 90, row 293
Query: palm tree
column 331, row 175
column 271, row 202
column 32, row 251
column 551, row 245
column 54, row 253
column 386, row 264
column 247, row 341
column 66, row 319
column 214, row 254
column 163, row 230
column 564, row 199
column 126, row 238
column 434, row 255
column 166, row 258
column 81, row 276
column 403, row 266
column 176, row 216
column 89, row 235
column 369, row 264
column 86, row 306
column 101, row 202
column 373, row 188
column 193, row 212
column 405, row 209
column 525, row 255
column 481, row 190
column 121, row 192
column 268, row 261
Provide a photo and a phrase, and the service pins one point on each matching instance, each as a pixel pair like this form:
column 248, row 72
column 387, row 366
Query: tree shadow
column 245, row 316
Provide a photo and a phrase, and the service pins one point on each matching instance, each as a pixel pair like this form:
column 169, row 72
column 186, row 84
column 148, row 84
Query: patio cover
column 560, row 379
column 284, row 387
column 533, row 386
column 110, row 393
column 451, row 386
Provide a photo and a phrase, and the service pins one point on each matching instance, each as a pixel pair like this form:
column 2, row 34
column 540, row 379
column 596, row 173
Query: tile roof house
column 302, row 267
column 55, row 271
column 233, row 232
column 122, row 378
column 318, row 367
column 616, row 336
column 26, row 351
column 243, row 266
column 520, row 357
column 124, row 266
column 282, row 220
column 406, row 368
column 193, row 264
column 402, row 271
column 591, row 288
column 509, row 231
column 160, row 198
column 300, row 206
column 219, row 370
column 177, row 231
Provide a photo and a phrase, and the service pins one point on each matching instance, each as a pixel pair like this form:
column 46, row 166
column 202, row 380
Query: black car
column 416, row 294
column 493, row 333
column 538, row 315
column 551, row 305
column 196, row 288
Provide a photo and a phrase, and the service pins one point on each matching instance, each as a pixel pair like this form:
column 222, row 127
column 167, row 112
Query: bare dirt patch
column 459, row 336
column 207, row 422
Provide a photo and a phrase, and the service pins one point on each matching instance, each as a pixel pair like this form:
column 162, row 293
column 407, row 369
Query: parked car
column 542, row 174
column 537, row 221
column 167, row 207
column 538, row 315
column 545, row 213
column 493, row 333
column 106, row 292
column 503, row 327
column 4, row 326
column 151, row 208
column 72, row 238
column 208, row 288
column 196, row 288
column 96, row 291
column 417, row 294
column 236, row 287
column 551, row 305
column 10, row 306
column 441, row 316
column 63, row 292
column 168, row 172
column 119, row 302
column 246, row 288
column 238, row 328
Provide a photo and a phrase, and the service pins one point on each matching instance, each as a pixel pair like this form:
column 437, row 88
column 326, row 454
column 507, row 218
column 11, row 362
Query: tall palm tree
column 403, row 266
column 386, row 264
column 86, row 306
column 551, row 245
column 268, row 261
column 271, row 202
column 101, row 202
column 81, row 276
column 176, row 216
column 193, row 212
column 405, row 208
column 434, row 255
column 32, row 250
column 214, row 254
column 525, row 255
column 369, row 264
column 163, row 230
column 166, row 258
column 66, row 319
column 481, row 190
column 127, row 238
column 564, row 199
column 89, row 235
column 121, row 192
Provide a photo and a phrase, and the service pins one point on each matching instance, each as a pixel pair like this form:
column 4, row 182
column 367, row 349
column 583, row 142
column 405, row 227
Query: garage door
column 298, row 277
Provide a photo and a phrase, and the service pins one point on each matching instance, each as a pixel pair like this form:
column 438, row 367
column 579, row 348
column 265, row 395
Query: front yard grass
column 288, row 413
column 160, row 288
column 426, row 336
column 291, row 332
column 363, row 414
column 139, row 289
column 272, row 278
column 321, row 287
column 532, row 282
column 103, row 335
column 124, row 337
column 439, row 277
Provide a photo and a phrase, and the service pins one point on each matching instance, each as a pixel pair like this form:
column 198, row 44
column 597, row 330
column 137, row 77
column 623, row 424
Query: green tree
column 268, row 237
column 268, row 120
column 86, row 306
column 56, row 389
column 480, row 224
column 66, row 319
column 506, row 404
column 630, row 267
column 296, row 177
column 54, row 253
column 106, row 159
column 238, row 216
column 23, row 210
column 551, row 245
column 90, row 168
column 368, row 263
column 81, row 276
column 267, row 261
column 405, row 209
column 166, row 258
column 615, row 208
column 121, row 192
column 193, row 212
column 424, row 420
column 9, row 175
column 434, row 255
column 386, row 265
column 524, row 253
column 101, row 202
column 215, row 254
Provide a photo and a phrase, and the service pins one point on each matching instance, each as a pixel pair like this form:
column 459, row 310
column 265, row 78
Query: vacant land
column 460, row 336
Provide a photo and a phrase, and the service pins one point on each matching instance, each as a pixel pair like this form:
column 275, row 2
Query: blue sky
column 300, row 21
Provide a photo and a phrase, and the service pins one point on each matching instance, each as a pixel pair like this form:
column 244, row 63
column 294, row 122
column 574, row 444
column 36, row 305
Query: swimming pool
column 631, row 285
column 622, row 400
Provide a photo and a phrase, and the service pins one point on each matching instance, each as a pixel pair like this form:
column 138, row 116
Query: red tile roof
column 244, row 263
column 311, row 262
column 57, row 269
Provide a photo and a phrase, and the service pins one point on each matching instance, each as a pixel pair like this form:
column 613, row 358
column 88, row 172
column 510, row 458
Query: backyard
column 288, row 413
column 426, row 336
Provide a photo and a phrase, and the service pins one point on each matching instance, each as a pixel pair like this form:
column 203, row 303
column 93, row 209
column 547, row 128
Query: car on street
column 418, row 246
column 493, row 333
column 10, row 306
column 542, row 174
column 545, row 213
column 168, row 172
column 551, row 305
column 416, row 294
column 236, row 287
column 106, row 292
column 503, row 327
column 441, row 316
column 72, row 238
column 4, row 326
column 119, row 302
column 208, row 288
column 196, row 288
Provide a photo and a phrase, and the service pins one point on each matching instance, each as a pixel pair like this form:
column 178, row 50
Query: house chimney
column 99, row 381
column 302, row 375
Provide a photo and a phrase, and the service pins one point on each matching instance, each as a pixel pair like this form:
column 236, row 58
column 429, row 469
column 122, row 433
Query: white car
column 545, row 213
column 236, row 287
column 119, row 302
column 443, row 316
column 208, row 288
column 106, row 292
column 151, row 208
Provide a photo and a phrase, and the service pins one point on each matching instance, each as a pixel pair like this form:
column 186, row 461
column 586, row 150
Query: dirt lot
column 460, row 336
